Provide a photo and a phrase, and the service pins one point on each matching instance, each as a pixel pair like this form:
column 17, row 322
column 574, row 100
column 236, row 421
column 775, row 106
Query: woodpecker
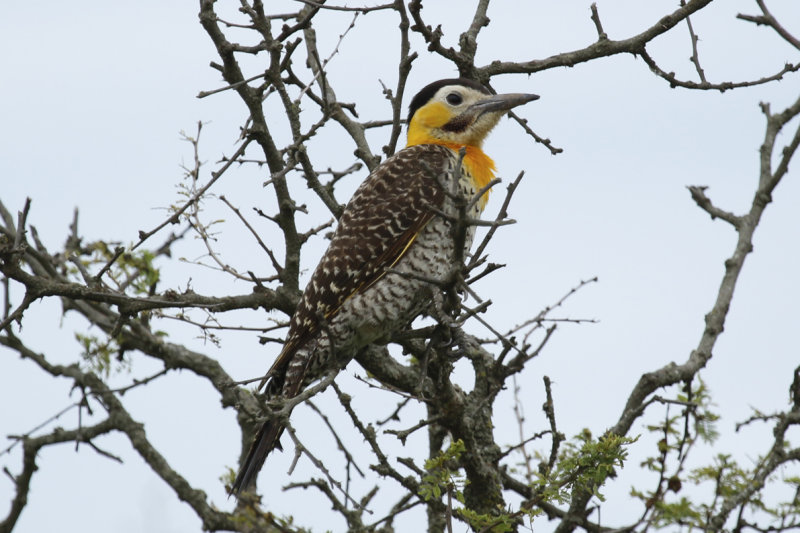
column 392, row 238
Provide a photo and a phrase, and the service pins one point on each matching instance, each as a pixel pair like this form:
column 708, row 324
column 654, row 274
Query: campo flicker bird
column 392, row 226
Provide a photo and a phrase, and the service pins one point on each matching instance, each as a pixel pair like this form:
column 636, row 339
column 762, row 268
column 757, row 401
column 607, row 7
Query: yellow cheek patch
column 428, row 117
column 433, row 115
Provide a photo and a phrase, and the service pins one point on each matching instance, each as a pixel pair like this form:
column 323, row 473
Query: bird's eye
column 454, row 99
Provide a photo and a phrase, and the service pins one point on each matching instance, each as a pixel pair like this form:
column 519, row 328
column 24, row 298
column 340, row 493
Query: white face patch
column 467, row 126
column 457, row 97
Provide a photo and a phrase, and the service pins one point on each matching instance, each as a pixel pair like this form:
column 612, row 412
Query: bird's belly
column 403, row 292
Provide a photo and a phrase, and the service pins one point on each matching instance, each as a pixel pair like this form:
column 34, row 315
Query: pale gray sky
column 92, row 101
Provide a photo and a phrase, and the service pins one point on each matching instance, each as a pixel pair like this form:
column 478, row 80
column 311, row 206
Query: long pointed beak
column 503, row 102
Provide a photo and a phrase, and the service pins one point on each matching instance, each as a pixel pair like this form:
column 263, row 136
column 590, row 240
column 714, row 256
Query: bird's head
column 457, row 112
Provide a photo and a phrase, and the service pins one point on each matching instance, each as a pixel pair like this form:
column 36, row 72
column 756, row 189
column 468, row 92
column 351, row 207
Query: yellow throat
column 478, row 165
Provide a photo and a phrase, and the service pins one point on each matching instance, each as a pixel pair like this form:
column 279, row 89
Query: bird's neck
column 478, row 165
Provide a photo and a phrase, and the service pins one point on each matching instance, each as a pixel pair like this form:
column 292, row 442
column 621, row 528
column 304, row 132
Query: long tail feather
column 266, row 440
